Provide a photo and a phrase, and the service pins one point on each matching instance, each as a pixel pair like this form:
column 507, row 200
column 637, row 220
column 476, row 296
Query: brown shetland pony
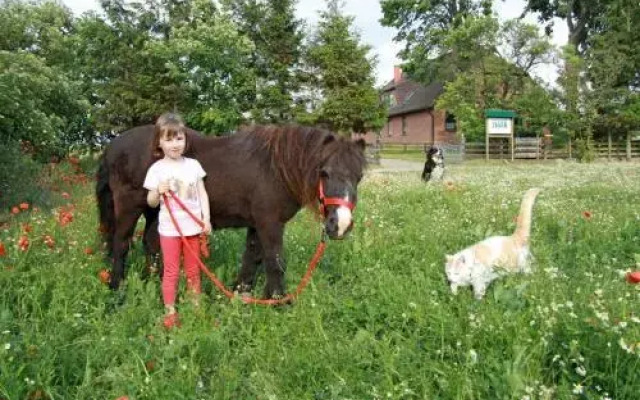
column 258, row 179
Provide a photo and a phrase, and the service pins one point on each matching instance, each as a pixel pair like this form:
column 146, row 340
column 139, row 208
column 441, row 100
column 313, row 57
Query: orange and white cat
column 483, row 262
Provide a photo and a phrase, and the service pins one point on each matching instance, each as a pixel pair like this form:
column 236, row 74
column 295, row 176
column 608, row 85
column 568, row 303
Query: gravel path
column 393, row 165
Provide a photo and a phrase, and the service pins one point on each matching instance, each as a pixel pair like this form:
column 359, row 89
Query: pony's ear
column 361, row 144
column 328, row 139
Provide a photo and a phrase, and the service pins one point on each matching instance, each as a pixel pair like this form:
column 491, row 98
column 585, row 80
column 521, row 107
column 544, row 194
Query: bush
column 18, row 177
column 584, row 150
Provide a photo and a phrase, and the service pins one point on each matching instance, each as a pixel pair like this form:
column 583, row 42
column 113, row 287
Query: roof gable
column 412, row 96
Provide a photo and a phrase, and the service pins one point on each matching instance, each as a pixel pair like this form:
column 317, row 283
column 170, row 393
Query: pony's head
column 338, row 177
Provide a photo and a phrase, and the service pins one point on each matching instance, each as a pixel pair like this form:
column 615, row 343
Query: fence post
column 609, row 146
column 628, row 145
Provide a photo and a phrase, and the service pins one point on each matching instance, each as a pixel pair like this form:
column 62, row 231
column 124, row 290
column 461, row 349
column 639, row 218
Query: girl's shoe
column 171, row 321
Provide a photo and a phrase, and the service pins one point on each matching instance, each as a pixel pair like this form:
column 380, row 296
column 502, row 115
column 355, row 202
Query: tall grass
column 377, row 321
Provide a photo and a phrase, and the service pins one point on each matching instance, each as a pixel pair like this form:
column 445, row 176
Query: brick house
column 412, row 118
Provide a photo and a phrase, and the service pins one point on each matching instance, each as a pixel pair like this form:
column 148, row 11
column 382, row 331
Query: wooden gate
column 527, row 147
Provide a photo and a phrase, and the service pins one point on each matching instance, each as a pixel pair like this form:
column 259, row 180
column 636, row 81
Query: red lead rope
column 248, row 300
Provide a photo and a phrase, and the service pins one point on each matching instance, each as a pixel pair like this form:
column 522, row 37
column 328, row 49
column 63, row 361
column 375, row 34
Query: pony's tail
column 523, row 225
column 106, row 210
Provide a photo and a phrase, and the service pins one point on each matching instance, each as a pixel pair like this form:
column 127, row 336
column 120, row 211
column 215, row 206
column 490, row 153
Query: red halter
column 331, row 201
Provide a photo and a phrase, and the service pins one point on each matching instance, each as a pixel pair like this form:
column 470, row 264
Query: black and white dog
column 434, row 166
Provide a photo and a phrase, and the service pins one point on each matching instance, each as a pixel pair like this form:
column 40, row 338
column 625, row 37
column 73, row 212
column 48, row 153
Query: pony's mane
column 298, row 152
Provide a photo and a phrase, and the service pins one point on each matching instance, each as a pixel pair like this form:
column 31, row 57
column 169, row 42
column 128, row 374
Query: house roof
column 413, row 97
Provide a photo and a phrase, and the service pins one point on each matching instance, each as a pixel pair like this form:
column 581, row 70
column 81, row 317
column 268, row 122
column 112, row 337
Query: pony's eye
column 324, row 173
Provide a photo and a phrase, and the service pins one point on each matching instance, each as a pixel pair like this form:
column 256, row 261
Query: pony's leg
column 151, row 240
column 251, row 258
column 270, row 235
column 127, row 214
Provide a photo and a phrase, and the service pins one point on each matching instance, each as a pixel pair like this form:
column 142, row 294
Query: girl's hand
column 164, row 187
column 207, row 227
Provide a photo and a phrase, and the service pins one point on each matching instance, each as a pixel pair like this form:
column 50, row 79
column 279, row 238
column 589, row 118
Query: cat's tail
column 523, row 225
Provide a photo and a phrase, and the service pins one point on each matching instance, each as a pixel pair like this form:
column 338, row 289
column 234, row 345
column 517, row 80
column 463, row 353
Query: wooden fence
column 524, row 148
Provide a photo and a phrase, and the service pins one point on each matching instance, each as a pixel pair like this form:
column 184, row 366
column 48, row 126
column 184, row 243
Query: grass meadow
column 376, row 322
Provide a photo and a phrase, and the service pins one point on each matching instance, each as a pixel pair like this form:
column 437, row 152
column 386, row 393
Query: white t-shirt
column 183, row 176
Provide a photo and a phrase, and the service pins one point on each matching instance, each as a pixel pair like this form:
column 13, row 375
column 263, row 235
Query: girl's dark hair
column 168, row 125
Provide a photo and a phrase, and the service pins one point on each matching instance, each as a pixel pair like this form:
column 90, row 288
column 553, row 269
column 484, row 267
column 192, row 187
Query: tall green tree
column 581, row 16
column 493, row 66
column 40, row 99
column 344, row 72
column 424, row 26
column 277, row 37
column 147, row 58
column 40, row 28
column 613, row 65
column 38, row 104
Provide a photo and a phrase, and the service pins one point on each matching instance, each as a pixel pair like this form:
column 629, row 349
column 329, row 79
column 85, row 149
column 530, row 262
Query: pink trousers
column 172, row 249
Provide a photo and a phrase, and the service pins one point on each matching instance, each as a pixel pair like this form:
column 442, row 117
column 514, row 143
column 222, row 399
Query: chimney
column 397, row 74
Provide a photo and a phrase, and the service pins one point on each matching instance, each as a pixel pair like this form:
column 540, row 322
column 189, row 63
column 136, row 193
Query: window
column 404, row 126
column 450, row 122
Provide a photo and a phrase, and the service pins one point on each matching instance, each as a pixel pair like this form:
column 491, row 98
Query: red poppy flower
column 88, row 251
column 15, row 210
column 586, row 214
column 65, row 217
column 104, row 276
column 65, row 195
column 633, row 277
column 3, row 251
column 48, row 240
column 23, row 243
column 24, row 206
column 26, row 228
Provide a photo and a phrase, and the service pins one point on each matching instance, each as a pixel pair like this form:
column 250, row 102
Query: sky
column 367, row 14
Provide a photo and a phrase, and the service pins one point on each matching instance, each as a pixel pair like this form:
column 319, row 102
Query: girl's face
column 174, row 147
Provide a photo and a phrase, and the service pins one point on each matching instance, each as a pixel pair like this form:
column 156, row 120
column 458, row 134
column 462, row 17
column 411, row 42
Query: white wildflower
column 624, row 346
column 581, row 371
column 473, row 356
column 578, row 389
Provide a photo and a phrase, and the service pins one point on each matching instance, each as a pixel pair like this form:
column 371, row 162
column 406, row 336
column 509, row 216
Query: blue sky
column 367, row 13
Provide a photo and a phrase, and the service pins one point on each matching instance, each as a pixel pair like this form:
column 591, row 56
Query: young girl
column 182, row 176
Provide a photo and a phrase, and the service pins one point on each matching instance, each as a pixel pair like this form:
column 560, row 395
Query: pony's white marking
column 344, row 218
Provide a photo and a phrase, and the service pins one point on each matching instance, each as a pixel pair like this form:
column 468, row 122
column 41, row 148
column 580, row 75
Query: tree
column 38, row 105
column 581, row 16
column 147, row 58
column 43, row 29
column 40, row 99
column 277, row 39
column 493, row 70
column 613, row 65
column 349, row 102
column 425, row 25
